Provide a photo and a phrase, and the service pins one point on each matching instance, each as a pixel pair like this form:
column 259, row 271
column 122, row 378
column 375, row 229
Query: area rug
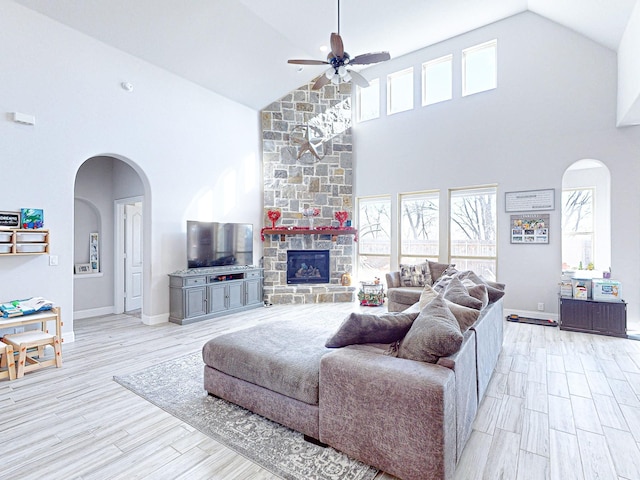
column 176, row 387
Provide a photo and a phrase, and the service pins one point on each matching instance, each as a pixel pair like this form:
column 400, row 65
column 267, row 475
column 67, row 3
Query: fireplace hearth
column 308, row 267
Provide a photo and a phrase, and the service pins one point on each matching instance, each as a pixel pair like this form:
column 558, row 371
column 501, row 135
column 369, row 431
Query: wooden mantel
column 333, row 231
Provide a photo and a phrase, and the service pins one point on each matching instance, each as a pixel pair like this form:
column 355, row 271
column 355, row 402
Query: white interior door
column 133, row 257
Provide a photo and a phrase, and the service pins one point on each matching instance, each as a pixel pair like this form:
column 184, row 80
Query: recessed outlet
column 53, row 260
column 541, row 306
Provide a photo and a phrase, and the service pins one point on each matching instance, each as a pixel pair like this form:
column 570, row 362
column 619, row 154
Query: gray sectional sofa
column 408, row 418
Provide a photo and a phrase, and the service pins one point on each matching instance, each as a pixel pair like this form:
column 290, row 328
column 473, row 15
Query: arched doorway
column 586, row 217
column 102, row 184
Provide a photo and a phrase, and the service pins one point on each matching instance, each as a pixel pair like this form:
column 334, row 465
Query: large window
column 369, row 101
column 437, row 80
column 419, row 227
column 479, row 68
column 577, row 228
column 400, row 91
column 374, row 237
column 473, row 230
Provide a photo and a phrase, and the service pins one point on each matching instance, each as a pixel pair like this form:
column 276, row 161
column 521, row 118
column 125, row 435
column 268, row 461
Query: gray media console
column 202, row 293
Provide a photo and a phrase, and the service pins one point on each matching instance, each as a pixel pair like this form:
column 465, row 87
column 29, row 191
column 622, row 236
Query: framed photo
column 530, row 228
column 530, row 200
column 81, row 268
column 94, row 252
column 10, row 219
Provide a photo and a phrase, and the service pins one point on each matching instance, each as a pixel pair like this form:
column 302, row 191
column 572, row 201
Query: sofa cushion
column 415, row 275
column 458, row 293
column 360, row 328
column 280, row 356
column 435, row 333
column 404, row 295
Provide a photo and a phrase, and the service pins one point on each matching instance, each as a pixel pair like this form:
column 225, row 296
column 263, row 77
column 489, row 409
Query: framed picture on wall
column 94, row 252
column 82, row 268
column 530, row 228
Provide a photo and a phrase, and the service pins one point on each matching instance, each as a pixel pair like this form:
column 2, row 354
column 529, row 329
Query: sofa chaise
column 408, row 418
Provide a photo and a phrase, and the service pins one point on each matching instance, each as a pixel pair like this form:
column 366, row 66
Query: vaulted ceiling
column 239, row 48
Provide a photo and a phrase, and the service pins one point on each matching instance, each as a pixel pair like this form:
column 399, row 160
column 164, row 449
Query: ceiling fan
column 339, row 60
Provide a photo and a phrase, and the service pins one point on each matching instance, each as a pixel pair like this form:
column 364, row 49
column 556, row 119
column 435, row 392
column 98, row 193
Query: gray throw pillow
column 435, row 333
column 458, row 293
column 428, row 294
column 477, row 291
column 360, row 328
column 415, row 275
column 494, row 289
column 464, row 315
column 437, row 269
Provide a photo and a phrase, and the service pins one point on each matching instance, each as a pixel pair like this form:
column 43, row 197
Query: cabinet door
column 253, row 292
column 576, row 314
column 195, row 301
column 217, row 298
column 235, row 295
column 610, row 318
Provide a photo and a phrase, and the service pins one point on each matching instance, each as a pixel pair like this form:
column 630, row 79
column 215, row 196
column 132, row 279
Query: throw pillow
column 360, row 328
column 464, row 315
column 458, row 293
column 435, row 333
column 494, row 289
column 437, row 269
column 415, row 275
column 477, row 291
column 426, row 296
column 445, row 278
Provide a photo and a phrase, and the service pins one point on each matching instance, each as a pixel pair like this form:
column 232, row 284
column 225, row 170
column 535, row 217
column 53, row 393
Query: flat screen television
column 213, row 244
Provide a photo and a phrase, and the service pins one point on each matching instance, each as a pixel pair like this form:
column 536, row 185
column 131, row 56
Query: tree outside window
column 419, row 227
column 577, row 228
column 374, row 237
column 473, row 230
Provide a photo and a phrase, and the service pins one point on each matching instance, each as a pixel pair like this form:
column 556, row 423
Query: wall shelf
column 333, row 231
column 19, row 241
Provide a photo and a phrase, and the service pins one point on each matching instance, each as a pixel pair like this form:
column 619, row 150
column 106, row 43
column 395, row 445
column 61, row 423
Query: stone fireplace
column 307, row 163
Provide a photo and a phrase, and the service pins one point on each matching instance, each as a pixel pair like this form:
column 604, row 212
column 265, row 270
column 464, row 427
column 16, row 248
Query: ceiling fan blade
column 320, row 82
column 337, row 48
column 367, row 58
column 308, row 62
column 359, row 79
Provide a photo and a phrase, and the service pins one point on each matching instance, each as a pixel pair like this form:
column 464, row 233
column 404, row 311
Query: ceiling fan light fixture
column 339, row 60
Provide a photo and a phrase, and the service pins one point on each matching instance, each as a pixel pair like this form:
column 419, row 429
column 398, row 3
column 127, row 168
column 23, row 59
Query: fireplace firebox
column 308, row 266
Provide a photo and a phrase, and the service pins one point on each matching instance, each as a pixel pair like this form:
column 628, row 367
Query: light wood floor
column 560, row 406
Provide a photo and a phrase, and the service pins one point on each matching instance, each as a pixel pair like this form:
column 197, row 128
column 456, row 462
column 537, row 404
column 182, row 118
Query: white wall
column 629, row 72
column 190, row 146
column 555, row 104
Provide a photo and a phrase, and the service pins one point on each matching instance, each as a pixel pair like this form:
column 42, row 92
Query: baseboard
column 93, row 312
column 532, row 314
column 154, row 319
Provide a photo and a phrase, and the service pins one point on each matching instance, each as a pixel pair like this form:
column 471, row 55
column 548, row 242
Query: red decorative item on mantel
column 320, row 230
column 341, row 217
column 274, row 216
